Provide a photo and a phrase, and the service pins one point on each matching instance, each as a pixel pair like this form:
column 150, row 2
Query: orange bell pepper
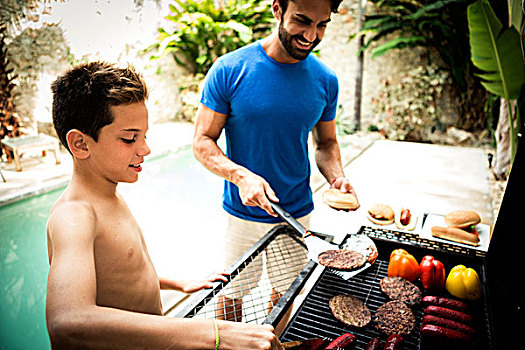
column 403, row 264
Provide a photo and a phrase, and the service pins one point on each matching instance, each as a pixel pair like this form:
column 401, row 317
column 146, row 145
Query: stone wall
column 34, row 53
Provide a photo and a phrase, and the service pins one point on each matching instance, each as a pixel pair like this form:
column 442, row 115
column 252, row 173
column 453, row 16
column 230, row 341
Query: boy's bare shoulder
column 71, row 215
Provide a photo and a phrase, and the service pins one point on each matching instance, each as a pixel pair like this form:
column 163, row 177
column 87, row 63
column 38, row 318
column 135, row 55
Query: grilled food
column 394, row 317
column 398, row 288
column 342, row 259
column 350, row 310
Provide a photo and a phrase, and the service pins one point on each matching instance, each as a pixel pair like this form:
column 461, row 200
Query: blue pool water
column 23, row 276
column 177, row 203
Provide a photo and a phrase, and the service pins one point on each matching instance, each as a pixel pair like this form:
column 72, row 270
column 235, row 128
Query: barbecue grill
column 498, row 316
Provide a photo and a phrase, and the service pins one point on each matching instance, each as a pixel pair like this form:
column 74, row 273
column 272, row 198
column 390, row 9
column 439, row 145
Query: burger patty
column 398, row 288
column 342, row 259
column 350, row 310
column 394, row 317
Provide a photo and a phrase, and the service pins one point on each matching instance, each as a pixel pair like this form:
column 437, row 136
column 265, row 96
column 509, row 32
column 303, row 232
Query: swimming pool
column 176, row 201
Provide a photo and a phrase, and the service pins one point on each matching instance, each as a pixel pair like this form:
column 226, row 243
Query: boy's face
column 121, row 146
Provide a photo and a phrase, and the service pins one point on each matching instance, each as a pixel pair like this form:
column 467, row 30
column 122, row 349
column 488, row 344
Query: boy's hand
column 191, row 286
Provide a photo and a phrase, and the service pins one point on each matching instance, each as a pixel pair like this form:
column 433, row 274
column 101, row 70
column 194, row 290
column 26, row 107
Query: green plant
column 400, row 24
column 202, row 32
column 497, row 52
column 441, row 29
column 407, row 108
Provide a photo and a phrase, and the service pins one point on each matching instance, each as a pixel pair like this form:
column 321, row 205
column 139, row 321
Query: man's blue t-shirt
column 271, row 109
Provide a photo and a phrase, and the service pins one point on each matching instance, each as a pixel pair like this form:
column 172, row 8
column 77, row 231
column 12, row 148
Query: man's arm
column 328, row 155
column 74, row 320
column 253, row 189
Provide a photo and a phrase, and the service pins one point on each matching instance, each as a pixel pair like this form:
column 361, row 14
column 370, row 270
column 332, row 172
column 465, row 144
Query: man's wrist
column 332, row 182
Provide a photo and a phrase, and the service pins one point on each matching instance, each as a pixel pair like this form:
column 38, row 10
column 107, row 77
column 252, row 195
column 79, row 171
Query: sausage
column 373, row 344
column 448, row 313
column 405, row 217
column 341, row 342
column 393, row 342
column 445, row 302
column 443, row 333
column 443, row 322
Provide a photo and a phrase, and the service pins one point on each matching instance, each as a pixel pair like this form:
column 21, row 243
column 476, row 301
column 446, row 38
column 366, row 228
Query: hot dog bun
column 455, row 234
column 336, row 199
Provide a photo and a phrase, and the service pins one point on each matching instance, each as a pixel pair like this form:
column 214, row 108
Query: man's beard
column 287, row 41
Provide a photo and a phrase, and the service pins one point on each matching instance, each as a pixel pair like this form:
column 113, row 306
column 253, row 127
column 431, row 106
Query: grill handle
column 289, row 219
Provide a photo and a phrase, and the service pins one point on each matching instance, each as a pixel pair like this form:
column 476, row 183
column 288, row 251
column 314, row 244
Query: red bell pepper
column 403, row 264
column 432, row 273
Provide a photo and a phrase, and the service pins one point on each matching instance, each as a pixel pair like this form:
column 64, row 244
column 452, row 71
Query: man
column 268, row 96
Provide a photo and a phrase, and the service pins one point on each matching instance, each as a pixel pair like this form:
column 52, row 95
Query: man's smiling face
column 302, row 26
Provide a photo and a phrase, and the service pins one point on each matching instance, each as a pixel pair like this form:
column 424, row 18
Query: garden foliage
column 200, row 31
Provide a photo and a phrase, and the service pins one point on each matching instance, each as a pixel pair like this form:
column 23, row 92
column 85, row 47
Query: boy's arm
column 75, row 320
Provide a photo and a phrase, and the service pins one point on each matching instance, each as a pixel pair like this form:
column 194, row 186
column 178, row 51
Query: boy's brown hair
column 83, row 95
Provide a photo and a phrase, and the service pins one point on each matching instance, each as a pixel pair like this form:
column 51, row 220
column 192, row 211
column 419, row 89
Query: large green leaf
column 496, row 52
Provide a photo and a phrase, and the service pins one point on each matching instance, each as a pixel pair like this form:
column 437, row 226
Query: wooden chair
column 22, row 144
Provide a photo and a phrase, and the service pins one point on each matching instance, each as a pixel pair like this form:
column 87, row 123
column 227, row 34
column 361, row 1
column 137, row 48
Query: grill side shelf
column 415, row 240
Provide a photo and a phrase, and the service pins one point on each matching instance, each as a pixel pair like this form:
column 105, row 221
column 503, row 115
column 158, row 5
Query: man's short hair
column 83, row 95
column 334, row 4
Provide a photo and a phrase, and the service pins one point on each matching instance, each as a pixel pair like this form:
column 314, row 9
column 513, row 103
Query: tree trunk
column 359, row 67
column 503, row 140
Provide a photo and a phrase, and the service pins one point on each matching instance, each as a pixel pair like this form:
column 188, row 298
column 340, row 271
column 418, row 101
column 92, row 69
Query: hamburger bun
column 381, row 214
column 462, row 218
column 455, row 234
column 336, row 199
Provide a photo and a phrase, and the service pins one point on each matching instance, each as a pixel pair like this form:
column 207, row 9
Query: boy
column 103, row 291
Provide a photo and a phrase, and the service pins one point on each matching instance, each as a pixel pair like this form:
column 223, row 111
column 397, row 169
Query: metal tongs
column 300, row 229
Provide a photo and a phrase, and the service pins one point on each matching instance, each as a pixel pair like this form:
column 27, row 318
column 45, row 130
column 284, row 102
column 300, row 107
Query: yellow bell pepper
column 463, row 282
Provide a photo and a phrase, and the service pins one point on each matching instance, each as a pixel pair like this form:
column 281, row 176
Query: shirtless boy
column 103, row 291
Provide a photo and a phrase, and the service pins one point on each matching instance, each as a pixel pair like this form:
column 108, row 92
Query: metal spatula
column 316, row 244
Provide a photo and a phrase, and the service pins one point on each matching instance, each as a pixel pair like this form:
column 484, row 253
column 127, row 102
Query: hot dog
column 444, row 322
column 373, row 344
column 445, row 302
column 455, row 234
column 342, row 342
column 393, row 342
column 444, row 333
column 448, row 313
column 405, row 220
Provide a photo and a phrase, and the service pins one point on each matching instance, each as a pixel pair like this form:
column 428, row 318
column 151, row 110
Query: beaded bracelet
column 216, row 334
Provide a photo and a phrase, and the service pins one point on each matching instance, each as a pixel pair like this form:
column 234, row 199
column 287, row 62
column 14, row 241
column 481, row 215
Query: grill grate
column 250, row 280
column 314, row 319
